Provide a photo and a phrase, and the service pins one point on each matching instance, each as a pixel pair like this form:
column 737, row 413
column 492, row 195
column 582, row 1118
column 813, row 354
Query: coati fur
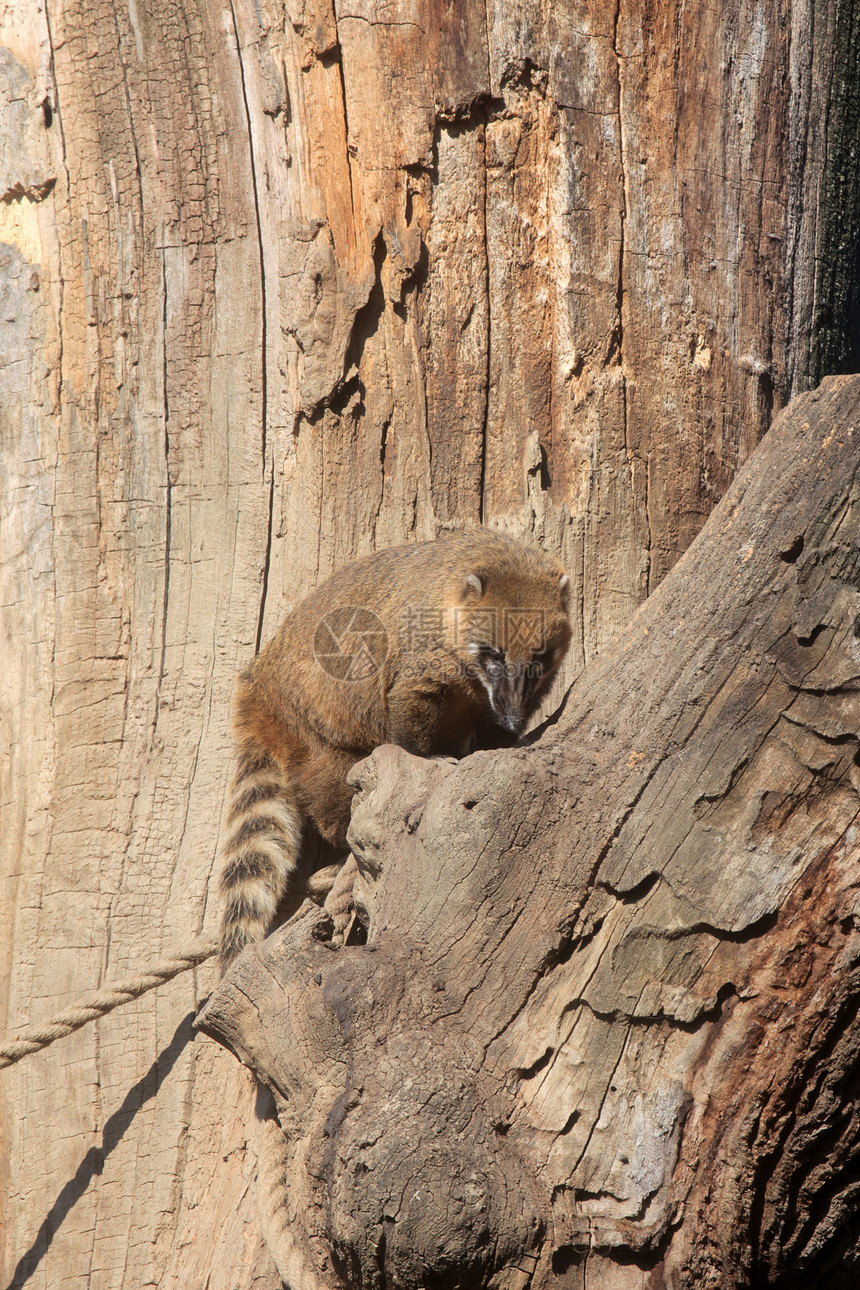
column 440, row 647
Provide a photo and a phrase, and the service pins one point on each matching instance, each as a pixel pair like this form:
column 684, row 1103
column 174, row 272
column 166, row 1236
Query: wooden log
column 603, row 1030
column 282, row 284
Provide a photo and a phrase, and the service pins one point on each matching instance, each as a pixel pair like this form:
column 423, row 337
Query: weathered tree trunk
column 603, row 1031
column 280, row 285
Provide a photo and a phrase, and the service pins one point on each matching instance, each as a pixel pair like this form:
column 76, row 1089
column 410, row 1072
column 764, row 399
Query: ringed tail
column 264, row 829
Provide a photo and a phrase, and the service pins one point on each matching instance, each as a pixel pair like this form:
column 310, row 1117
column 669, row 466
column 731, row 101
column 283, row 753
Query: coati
column 440, row 647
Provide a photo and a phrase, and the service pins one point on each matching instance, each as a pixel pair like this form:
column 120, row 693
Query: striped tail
column 264, row 836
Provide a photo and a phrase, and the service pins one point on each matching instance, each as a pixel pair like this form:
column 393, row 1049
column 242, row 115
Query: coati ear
column 563, row 584
column 473, row 586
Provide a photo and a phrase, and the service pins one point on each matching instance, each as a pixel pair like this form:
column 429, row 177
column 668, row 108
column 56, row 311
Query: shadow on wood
column 93, row 1162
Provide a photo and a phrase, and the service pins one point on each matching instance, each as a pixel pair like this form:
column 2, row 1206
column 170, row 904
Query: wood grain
column 603, row 1030
column 282, row 284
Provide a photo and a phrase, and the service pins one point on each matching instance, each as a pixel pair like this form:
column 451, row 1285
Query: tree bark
column 603, row 1031
column 281, row 285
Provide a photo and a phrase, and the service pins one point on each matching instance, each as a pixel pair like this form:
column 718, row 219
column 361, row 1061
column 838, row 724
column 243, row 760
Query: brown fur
column 441, row 609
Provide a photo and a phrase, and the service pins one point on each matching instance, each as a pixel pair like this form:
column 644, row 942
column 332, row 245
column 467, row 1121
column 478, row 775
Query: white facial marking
column 486, row 684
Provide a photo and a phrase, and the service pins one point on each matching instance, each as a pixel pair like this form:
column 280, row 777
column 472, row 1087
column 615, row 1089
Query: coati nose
column 513, row 722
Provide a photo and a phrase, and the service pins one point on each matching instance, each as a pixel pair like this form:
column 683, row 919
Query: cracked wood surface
column 603, row 1031
column 281, row 284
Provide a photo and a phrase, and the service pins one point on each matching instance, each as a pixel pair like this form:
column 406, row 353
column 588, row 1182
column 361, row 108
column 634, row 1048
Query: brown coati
column 442, row 648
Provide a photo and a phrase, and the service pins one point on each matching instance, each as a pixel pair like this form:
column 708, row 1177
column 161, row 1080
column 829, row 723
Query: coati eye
column 491, row 657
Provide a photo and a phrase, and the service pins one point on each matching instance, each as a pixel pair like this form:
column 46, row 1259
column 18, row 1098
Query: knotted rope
column 100, row 1002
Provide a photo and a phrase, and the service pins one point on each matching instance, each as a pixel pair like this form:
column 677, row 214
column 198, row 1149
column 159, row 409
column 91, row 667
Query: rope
column 100, row 1002
column 339, row 903
column 273, row 1174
